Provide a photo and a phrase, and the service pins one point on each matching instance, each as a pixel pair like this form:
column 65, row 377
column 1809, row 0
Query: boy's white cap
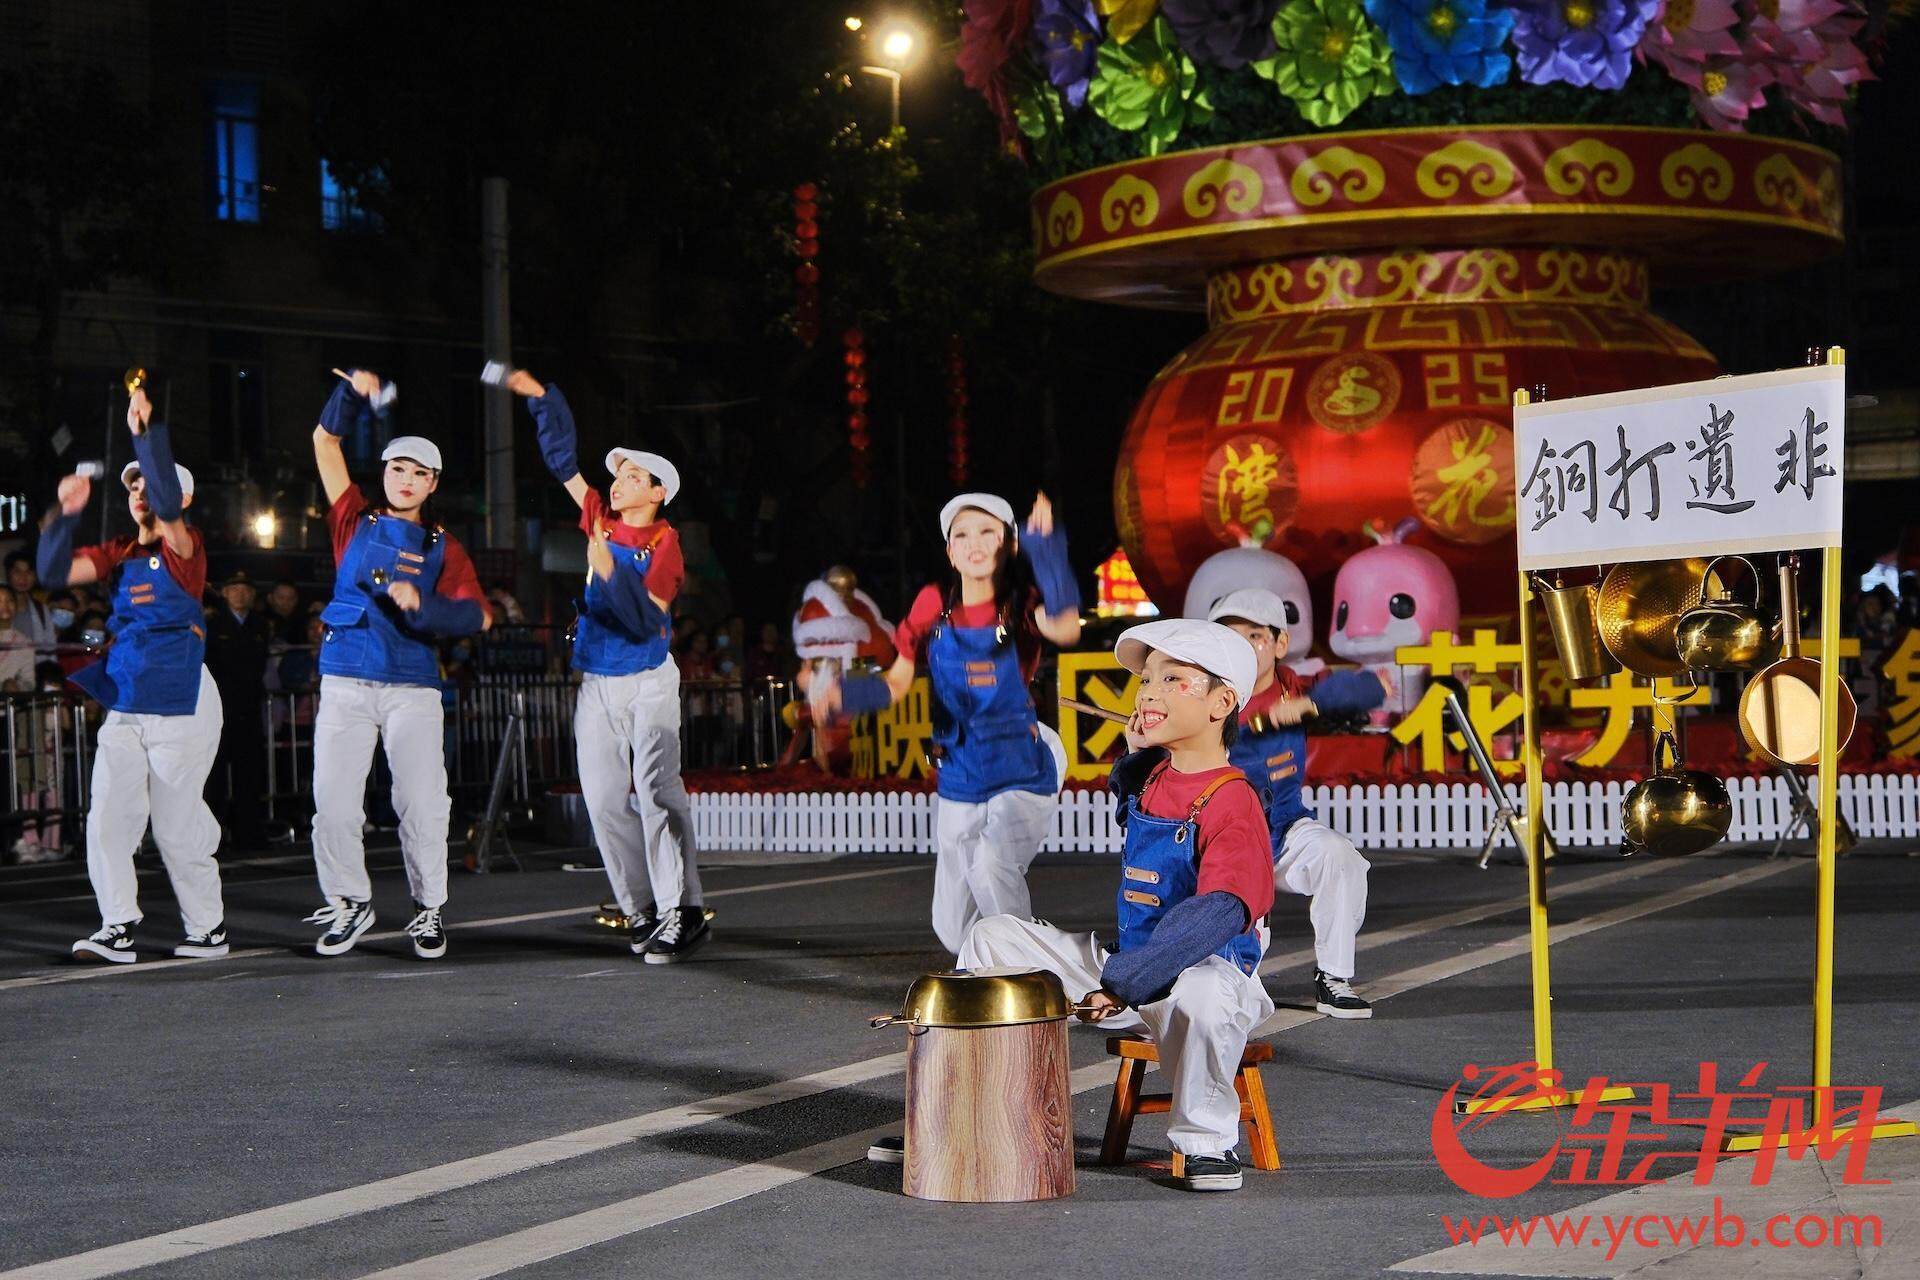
column 186, row 476
column 991, row 503
column 419, row 448
column 1255, row 604
column 1217, row 650
column 651, row 463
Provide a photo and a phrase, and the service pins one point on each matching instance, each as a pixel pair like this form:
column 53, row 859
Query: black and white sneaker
column 1335, row 997
column 112, row 943
column 428, row 934
column 345, row 920
column 1212, row 1173
column 640, row 930
column 210, row 945
column 681, row 930
column 888, row 1151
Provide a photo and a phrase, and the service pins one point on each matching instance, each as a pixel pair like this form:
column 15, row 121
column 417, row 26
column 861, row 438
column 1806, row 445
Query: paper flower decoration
column 1222, row 33
column 1328, row 58
column 1808, row 48
column 1438, row 42
column 1126, row 18
column 1066, row 39
column 1691, row 31
column 1148, row 84
column 990, row 35
column 1725, row 91
column 1588, row 43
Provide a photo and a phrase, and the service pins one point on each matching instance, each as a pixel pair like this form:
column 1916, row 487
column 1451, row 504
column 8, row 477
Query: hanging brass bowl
column 1640, row 608
column 1002, row 997
column 1676, row 811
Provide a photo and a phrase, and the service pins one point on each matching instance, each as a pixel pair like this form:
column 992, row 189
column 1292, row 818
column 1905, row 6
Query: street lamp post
column 898, row 44
column 894, row 77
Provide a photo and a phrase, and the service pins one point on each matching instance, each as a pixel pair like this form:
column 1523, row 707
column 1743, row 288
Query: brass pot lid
column 995, row 997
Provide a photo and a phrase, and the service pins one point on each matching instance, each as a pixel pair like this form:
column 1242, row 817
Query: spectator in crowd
column 284, row 612
column 300, row 664
column 729, row 644
column 505, row 608
column 239, row 643
column 768, row 658
column 81, row 633
column 32, row 617
column 16, row 651
column 695, row 656
column 1908, row 611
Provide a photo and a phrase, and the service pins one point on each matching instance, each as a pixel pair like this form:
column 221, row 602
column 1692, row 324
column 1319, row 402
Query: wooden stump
column 989, row 1113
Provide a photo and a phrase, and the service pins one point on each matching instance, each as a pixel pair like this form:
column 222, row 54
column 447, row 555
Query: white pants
column 982, row 855
column 1318, row 861
column 1200, row 1027
column 407, row 718
column 627, row 730
column 148, row 767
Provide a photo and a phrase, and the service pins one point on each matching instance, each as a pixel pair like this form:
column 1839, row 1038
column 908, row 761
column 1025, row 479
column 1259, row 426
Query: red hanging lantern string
column 858, row 441
column 956, row 412
column 806, row 276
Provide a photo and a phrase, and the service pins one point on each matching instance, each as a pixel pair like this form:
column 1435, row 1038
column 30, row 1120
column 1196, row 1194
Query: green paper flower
column 1149, row 84
column 1329, row 59
column 1038, row 111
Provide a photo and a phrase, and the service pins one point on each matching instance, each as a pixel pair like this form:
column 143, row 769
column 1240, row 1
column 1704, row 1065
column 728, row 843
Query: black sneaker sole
column 88, row 948
column 675, row 957
column 1335, row 1011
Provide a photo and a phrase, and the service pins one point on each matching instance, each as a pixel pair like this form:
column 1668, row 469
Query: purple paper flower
column 1580, row 42
column 1066, row 40
column 1222, row 33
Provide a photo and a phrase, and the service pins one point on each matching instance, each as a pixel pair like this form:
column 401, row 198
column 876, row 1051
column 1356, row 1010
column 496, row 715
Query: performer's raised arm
column 351, row 403
column 559, row 439
column 162, row 492
column 55, row 562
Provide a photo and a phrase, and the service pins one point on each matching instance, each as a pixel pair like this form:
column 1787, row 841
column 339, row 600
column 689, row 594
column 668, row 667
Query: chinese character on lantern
column 1250, row 483
column 1463, row 481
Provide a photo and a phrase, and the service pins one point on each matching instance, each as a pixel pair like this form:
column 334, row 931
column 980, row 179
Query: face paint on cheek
column 1193, row 686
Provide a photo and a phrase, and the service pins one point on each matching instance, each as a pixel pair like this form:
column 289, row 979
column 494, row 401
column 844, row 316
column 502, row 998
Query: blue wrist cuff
column 559, row 438
column 863, row 695
column 1047, row 556
column 54, row 559
column 344, row 409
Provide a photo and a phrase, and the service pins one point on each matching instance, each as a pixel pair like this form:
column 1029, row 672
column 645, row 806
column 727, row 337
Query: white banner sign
column 1724, row 467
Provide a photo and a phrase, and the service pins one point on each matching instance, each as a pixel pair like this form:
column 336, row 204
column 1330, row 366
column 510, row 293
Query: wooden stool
column 1128, row 1102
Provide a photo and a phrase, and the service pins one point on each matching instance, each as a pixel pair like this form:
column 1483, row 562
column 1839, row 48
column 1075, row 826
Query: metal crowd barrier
column 49, row 749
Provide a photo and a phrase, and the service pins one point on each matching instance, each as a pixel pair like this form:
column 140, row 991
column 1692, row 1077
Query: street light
column 265, row 526
column 899, row 43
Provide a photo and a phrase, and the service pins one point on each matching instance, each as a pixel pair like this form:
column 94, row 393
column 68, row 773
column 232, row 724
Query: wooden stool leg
column 1126, row 1101
column 1265, row 1151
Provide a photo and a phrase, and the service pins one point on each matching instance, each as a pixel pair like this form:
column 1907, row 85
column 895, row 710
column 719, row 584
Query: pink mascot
column 1388, row 596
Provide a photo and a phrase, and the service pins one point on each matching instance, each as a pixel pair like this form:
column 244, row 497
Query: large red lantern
column 1345, row 378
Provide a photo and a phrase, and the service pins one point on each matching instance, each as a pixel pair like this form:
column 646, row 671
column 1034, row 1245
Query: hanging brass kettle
column 1676, row 811
column 1571, row 614
column 1640, row 606
column 1723, row 633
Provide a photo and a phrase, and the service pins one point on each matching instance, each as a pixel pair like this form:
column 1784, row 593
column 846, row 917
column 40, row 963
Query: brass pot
column 1723, row 633
column 1676, row 811
column 1640, row 608
column 1571, row 613
column 1001, row 997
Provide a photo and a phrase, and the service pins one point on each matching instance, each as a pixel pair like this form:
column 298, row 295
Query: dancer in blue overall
column 400, row 584
column 162, row 729
column 978, row 637
column 1195, row 888
column 1309, row 857
column 626, row 723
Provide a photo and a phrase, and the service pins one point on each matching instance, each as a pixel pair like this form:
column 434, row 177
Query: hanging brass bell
column 1723, row 633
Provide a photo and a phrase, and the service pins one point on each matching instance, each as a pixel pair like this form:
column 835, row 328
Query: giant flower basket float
column 1375, row 295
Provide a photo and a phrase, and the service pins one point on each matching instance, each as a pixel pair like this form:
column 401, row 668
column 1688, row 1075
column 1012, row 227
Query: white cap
column 652, row 463
column 991, row 503
column 1255, row 604
column 132, row 468
column 1216, row 650
column 419, row 448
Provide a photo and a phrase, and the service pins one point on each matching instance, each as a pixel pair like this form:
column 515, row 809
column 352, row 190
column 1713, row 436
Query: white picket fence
column 1391, row 816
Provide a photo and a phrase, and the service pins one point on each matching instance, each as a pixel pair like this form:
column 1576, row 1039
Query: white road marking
column 298, row 1215
column 597, row 973
column 454, row 928
column 315, row 1211
column 518, row 1249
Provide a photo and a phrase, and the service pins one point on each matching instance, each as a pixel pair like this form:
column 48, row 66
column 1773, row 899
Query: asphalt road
column 539, row 1104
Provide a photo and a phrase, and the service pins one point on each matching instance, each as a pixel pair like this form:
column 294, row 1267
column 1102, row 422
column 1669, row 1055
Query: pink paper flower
column 1691, row 31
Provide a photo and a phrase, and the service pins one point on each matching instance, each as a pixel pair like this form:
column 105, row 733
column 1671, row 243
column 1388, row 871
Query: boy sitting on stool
column 1309, row 857
column 1195, row 889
